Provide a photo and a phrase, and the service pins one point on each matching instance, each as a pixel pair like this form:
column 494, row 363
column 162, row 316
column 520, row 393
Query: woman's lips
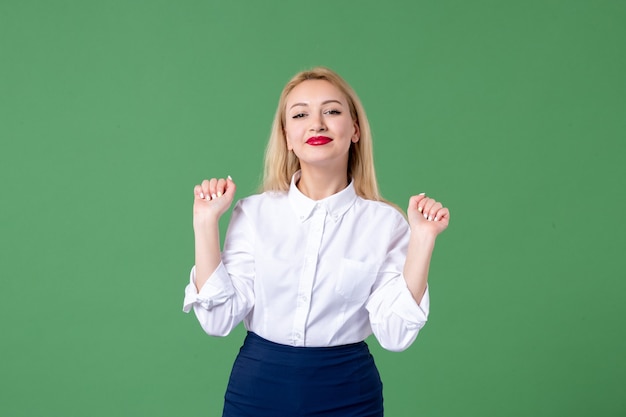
column 318, row 140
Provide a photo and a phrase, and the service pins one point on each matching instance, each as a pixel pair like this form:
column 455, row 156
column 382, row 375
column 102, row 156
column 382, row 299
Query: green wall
column 512, row 113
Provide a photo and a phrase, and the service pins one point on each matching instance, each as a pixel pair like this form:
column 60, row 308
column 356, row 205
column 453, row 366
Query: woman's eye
column 333, row 112
column 297, row 116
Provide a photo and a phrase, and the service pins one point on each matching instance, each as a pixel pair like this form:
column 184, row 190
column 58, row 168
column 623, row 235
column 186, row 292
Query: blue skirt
column 274, row 380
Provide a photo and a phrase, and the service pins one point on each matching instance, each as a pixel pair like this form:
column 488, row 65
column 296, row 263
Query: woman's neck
column 318, row 184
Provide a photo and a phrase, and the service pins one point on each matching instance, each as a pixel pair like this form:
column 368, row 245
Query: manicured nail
column 419, row 209
column 219, row 193
column 430, row 218
column 230, row 178
column 426, row 216
column 201, row 194
column 213, row 195
column 422, row 194
column 436, row 218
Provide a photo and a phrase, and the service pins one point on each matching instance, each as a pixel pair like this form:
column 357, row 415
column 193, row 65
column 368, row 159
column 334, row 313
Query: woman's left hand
column 426, row 215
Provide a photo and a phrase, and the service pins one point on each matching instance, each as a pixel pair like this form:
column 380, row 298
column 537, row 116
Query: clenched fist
column 212, row 198
column 427, row 216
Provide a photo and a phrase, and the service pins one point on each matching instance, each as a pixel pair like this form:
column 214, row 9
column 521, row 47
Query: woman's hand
column 212, row 198
column 427, row 216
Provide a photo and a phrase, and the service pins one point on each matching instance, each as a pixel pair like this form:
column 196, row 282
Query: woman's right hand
column 212, row 198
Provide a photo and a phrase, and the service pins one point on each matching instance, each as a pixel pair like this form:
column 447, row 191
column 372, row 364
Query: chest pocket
column 355, row 280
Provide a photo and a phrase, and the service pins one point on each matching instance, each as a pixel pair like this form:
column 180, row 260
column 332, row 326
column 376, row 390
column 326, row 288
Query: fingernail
column 230, row 178
column 219, row 194
column 201, row 194
column 422, row 194
column 419, row 209
column 425, row 216
column 430, row 218
column 436, row 218
column 213, row 195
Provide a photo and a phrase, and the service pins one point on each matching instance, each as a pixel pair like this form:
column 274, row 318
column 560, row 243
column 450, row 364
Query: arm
column 399, row 305
column 220, row 288
column 211, row 200
column 427, row 218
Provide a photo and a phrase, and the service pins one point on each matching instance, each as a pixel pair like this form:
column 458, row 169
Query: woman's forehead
column 314, row 91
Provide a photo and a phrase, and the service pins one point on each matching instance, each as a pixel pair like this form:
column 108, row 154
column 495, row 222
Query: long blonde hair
column 281, row 164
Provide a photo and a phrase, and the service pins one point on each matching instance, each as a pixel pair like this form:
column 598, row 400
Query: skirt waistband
column 255, row 338
column 255, row 342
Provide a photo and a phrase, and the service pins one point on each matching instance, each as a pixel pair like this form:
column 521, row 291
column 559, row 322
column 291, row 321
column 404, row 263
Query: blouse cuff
column 413, row 314
column 215, row 291
column 398, row 300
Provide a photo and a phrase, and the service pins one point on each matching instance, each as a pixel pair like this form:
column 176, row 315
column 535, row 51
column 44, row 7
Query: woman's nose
column 317, row 124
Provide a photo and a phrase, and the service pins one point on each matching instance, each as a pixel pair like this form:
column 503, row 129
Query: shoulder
column 257, row 203
column 381, row 212
column 380, row 208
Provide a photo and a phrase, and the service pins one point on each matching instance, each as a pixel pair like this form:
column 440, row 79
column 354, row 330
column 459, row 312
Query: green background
column 511, row 113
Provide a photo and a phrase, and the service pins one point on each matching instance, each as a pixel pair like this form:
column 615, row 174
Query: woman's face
column 318, row 125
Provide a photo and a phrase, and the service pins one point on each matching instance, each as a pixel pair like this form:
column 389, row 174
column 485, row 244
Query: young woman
column 314, row 264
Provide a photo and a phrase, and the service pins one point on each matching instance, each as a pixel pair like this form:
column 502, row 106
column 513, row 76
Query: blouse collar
column 335, row 205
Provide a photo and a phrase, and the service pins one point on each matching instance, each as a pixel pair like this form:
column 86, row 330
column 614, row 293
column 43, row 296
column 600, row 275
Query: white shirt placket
column 307, row 275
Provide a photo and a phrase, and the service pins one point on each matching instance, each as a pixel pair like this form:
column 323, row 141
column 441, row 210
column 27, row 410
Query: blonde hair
column 281, row 164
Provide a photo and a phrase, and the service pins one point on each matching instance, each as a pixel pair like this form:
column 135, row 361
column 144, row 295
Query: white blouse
column 312, row 273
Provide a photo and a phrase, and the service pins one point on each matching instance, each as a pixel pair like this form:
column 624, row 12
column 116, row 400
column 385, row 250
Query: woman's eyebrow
column 324, row 102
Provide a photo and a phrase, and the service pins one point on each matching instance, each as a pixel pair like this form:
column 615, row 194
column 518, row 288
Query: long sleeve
column 228, row 295
column 395, row 317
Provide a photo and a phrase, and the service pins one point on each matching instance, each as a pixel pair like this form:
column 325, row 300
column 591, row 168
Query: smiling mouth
column 318, row 140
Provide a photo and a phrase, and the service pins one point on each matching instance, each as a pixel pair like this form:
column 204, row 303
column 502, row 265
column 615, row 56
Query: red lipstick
column 318, row 140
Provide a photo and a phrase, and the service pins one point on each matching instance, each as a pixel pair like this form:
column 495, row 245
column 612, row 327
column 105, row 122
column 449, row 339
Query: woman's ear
column 357, row 133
